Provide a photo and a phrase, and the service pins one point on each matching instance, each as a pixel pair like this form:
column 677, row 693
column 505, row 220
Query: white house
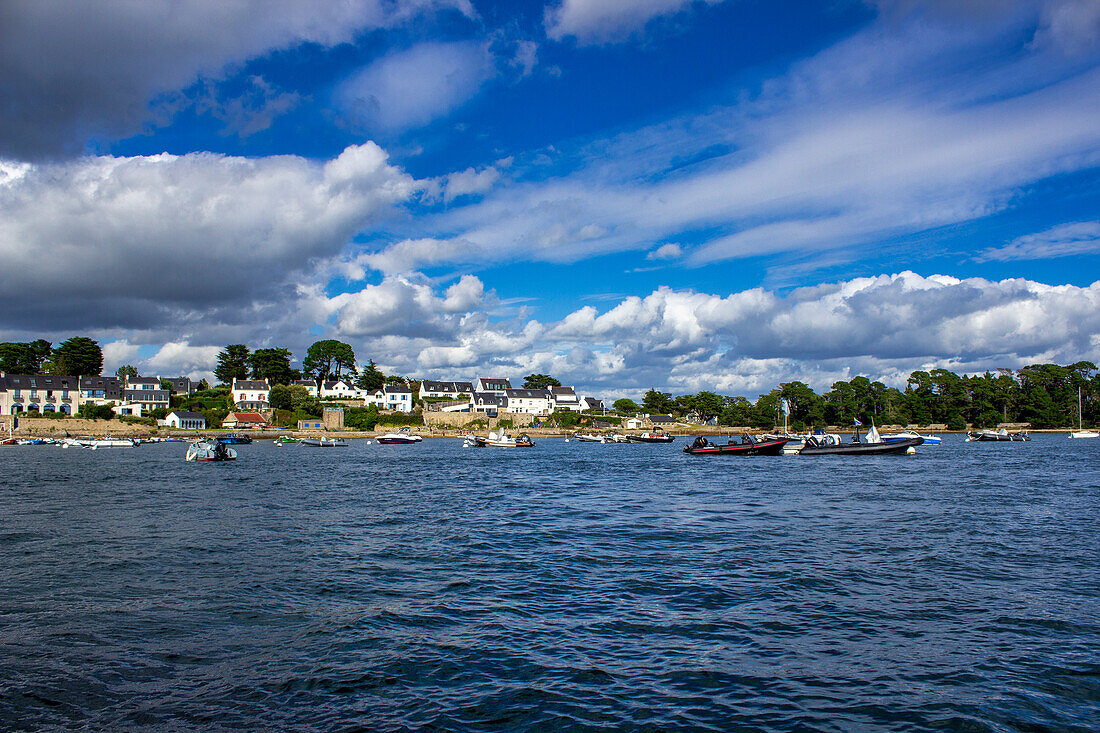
column 493, row 386
column 142, row 394
column 309, row 384
column 185, row 420
column 530, row 401
column 341, row 389
column 452, row 390
column 591, row 404
column 564, row 399
column 251, row 394
column 391, row 397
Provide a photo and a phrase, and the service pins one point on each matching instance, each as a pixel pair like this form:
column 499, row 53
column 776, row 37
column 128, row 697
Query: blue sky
column 696, row 195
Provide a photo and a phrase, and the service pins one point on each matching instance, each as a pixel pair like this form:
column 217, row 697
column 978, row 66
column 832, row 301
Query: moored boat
column 234, row 439
column 996, row 436
column 652, row 436
column 324, row 442
column 1080, row 432
column 748, row 446
column 210, row 451
column 402, row 437
column 287, row 440
column 499, row 440
column 581, row 438
column 817, row 445
column 908, row 435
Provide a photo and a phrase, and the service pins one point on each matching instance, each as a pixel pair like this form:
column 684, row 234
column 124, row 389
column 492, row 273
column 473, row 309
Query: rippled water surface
column 566, row 586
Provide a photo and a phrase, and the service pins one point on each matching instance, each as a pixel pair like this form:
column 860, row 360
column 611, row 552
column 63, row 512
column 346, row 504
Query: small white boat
column 1080, row 432
column 404, row 436
column 908, row 434
column 588, row 438
column 95, row 443
column 499, row 440
column 324, row 442
column 210, row 451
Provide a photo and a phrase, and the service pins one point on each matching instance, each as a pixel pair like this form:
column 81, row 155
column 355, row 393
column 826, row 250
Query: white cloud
column 1078, row 238
column 179, row 358
column 117, row 353
column 410, row 88
column 665, row 252
column 469, row 181
column 69, row 69
column 133, row 242
column 605, row 21
column 852, row 147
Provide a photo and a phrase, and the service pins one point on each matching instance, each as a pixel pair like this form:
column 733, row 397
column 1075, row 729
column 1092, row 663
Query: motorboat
column 499, row 440
column 287, row 440
column 910, row 434
column 747, row 446
column 213, row 450
column 831, row 444
column 1080, row 432
column 324, row 442
column 96, row 443
column 402, row 437
column 588, row 438
column 234, row 439
column 996, row 436
column 652, row 436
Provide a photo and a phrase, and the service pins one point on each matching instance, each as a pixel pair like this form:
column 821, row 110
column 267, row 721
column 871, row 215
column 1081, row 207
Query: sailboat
column 1081, row 432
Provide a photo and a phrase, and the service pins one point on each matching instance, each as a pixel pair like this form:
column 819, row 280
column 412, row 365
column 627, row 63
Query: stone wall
column 462, row 419
column 76, row 426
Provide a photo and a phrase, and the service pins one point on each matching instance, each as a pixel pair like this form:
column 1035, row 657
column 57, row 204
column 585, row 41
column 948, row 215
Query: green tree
column 24, row 358
column 539, row 381
column 625, row 406
column 126, row 371
column 736, row 411
column 233, row 363
column 658, row 403
column 78, row 356
column 371, row 377
column 272, row 365
column 293, row 397
column 706, row 405
column 328, row 358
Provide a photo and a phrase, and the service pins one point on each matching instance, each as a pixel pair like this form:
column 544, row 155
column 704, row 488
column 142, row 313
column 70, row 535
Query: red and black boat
column 748, row 446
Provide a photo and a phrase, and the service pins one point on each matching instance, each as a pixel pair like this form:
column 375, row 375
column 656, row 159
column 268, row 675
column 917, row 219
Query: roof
column 187, row 415
column 565, row 391
column 487, row 398
column 246, row 417
column 146, row 395
column 430, row 385
column 495, row 383
column 142, row 380
column 250, row 384
column 528, row 393
column 396, row 389
column 661, row 419
column 39, row 381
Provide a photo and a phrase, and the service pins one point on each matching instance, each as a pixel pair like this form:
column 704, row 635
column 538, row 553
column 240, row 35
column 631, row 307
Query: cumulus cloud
column 605, row 21
column 410, row 88
column 469, row 181
column 69, row 70
column 143, row 241
column 665, row 252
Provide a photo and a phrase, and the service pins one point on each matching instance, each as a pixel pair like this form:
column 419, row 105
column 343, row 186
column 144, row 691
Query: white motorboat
column 324, row 442
column 402, row 437
column 210, row 451
column 499, row 440
column 96, row 443
column 1080, row 432
column 588, row 438
column 909, row 434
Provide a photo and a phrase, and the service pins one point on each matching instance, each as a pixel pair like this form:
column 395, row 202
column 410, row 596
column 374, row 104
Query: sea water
column 566, row 586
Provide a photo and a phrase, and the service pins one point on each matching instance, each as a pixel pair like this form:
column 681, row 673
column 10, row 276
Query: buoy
column 910, row 451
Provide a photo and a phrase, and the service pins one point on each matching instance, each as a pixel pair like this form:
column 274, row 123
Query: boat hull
column 763, row 448
column 1079, row 434
column 398, row 441
column 997, row 438
column 322, row 443
column 861, row 449
column 651, row 438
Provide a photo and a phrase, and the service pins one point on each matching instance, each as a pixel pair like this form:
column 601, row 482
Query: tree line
column 1044, row 395
column 78, row 356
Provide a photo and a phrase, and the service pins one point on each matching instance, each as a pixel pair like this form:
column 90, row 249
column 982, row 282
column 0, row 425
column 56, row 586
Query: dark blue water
column 570, row 586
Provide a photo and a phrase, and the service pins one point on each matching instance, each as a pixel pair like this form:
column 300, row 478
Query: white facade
column 591, row 403
column 390, row 397
column 341, row 389
column 564, row 399
column 251, row 394
column 185, row 421
column 529, row 401
column 452, row 390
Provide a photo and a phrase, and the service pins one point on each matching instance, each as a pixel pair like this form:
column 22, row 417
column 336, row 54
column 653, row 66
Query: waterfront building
column 452, row 390
column 20, row 393
column 184, row 420
column 251, row 394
